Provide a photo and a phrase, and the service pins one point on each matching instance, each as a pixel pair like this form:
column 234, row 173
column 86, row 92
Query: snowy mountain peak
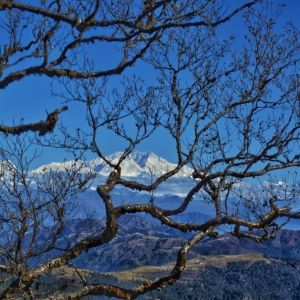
column 136, row 164
column 141, row 157
column 140, row 164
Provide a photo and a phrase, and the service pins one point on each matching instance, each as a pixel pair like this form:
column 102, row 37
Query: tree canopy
column 228, row 100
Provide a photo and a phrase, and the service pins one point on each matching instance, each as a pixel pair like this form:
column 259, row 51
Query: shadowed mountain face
column 218, row 268
column 285, row 244
column 140, row 242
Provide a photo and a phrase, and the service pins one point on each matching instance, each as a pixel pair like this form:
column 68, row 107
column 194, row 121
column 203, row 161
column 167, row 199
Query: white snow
column 136, row 164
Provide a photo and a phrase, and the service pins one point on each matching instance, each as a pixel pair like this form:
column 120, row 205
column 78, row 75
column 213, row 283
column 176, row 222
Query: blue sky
column 30, row 97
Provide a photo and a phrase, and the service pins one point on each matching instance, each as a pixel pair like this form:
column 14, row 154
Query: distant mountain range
column 217, row 268
column 140, row 242
column 136, row 164
column 142, row 167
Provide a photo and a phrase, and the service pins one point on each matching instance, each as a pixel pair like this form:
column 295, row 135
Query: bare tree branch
column 230, row 113
column 42, row 127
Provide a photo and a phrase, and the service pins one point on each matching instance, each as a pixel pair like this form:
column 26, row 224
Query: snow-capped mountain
column 137, row 164
column 57, row 166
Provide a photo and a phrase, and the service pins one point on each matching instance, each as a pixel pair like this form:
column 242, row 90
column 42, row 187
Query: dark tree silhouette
column 232, row 111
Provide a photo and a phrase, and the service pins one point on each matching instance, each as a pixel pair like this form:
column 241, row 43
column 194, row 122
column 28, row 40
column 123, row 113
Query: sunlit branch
column 42, row 127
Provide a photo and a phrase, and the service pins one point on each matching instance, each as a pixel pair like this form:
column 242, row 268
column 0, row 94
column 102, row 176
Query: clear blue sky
column 30, row 97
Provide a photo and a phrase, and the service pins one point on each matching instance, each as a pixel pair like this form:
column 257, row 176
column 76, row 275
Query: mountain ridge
column 140, row 242
column 136, row 164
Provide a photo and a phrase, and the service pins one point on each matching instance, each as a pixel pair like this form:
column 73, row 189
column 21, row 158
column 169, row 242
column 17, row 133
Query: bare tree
column 232, row 111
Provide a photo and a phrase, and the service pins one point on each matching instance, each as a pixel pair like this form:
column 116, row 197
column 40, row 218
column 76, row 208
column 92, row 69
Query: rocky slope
column 141, row 242
column 218, row 268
